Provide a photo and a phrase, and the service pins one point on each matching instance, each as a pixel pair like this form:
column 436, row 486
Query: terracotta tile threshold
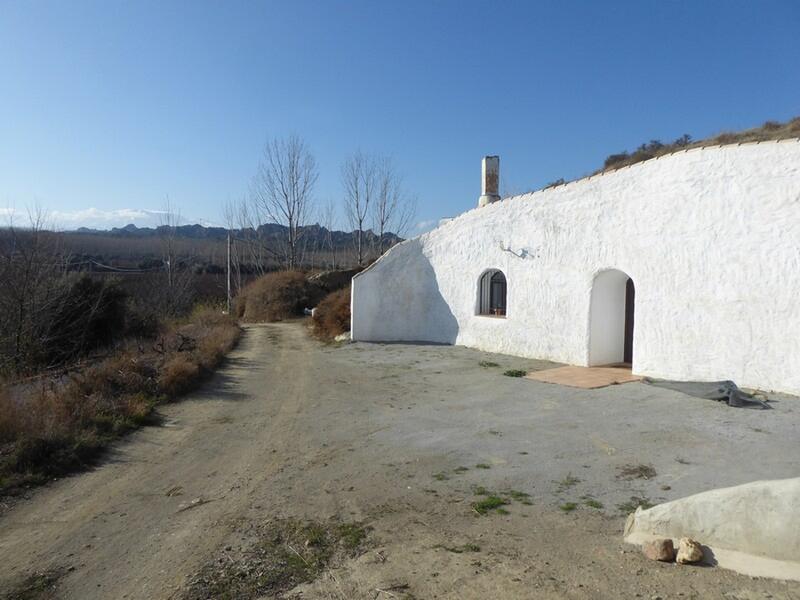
column 586, row 377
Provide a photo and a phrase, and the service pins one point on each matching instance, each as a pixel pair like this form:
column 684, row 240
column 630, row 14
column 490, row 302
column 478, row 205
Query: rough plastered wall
column 710, row 236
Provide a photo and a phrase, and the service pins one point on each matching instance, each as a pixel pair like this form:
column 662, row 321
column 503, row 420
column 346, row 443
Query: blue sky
column 108, row 108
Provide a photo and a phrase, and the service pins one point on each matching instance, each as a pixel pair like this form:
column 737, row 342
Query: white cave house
column 686, row 266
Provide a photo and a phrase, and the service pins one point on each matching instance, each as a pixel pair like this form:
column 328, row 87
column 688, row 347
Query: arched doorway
column 611, row 319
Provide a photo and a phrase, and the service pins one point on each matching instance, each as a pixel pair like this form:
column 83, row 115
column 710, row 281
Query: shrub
column 179, row 375
column 556, row 183
column 63, row 423
column 515, row 373
column 277, row 296
column 127, row 372
column 214, row 346
column 8, row 416
column 90, row 315
column 770, row 130
column 62, row 320
column 332, row 316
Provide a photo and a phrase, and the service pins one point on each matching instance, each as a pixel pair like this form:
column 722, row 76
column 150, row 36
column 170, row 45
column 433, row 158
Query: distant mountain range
column 269, row 231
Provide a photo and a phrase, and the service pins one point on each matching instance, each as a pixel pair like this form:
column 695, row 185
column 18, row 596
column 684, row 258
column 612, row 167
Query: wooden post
column 229, row 272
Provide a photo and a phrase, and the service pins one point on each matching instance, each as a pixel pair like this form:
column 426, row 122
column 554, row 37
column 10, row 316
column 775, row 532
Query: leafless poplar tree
column 328, row 221
column 230, row 213
column 359, row 181
column 168, row 221
column 176, row 295
column 392, row 209
column 283, row 189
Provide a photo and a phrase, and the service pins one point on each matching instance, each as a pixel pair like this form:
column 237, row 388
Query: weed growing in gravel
column 568, row 506
column 460, row 549
column 634, row 503
column 351, row 535
column 629, row 472
column 495, row 501
column 568, row 482
column 460, row 469
column 592, row 503
column 488, row 364
column 440, row 477
column 39, row 586
column 483, row 466
column 515, row 373
column 521, row 497
column 483, row 507
column 280, row 556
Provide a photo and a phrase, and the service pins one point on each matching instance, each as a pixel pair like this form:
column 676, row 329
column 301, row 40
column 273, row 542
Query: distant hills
column 312, row 233
column 204, row 248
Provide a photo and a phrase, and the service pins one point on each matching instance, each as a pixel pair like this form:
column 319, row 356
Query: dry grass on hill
column 277, row 296
column 332, row 316
column 57, row 425
column 771, row 130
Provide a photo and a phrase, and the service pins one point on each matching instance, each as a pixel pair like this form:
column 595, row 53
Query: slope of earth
column 414, row 443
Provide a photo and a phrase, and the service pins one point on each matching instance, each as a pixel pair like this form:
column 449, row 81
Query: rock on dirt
column 689, row 551
column 659, row 549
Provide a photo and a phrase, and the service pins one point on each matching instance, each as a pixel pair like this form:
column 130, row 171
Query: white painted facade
column 710, row 237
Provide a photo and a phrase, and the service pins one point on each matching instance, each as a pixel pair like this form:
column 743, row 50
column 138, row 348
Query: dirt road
column 292, row 428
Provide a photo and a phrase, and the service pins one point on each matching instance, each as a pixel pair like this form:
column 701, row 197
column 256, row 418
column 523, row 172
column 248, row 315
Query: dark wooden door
column 630, row 295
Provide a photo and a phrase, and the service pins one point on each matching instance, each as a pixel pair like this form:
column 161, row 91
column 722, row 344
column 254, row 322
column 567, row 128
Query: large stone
column 689, row 551
column 659, row 549
column 750, row 528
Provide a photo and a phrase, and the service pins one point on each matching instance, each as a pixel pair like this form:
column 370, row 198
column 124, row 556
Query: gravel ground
column 407, row 440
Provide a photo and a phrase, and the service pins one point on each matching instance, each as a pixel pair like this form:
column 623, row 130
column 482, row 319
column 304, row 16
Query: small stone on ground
column 660, row 549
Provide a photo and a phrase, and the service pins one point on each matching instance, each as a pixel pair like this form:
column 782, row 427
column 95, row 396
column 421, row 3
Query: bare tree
column 168, row 221
column 328, row 221
column 230, row 212
column 283, row 189
column 176, row 295
column 359, row 181
column 35, row 280
column 392, row 209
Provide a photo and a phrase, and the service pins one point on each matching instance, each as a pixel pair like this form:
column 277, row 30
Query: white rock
column 689, row 551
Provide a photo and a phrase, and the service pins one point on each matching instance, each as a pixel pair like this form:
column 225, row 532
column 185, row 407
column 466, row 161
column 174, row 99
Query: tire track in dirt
column 139, row 524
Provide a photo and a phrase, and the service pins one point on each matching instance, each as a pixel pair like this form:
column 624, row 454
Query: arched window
column 492, row 294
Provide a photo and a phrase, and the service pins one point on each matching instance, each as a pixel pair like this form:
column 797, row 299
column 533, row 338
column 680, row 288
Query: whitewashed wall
column 711, row 238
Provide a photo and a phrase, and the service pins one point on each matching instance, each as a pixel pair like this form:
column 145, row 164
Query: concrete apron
column 753, row 529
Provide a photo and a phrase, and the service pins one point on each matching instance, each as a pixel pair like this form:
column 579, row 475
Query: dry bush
column 9, row 415
column 127, row 372
column 62, row 423
column 213, row 335
column 180, row 374
column 277, row 296
column 54, row 430
column 771, row 130
column 332, row 316
column 214, row 346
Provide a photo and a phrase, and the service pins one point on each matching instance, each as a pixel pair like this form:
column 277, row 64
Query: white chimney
column 490, row 180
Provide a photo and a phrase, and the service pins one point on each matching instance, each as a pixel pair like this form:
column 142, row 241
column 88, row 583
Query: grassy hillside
column 771, row 130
